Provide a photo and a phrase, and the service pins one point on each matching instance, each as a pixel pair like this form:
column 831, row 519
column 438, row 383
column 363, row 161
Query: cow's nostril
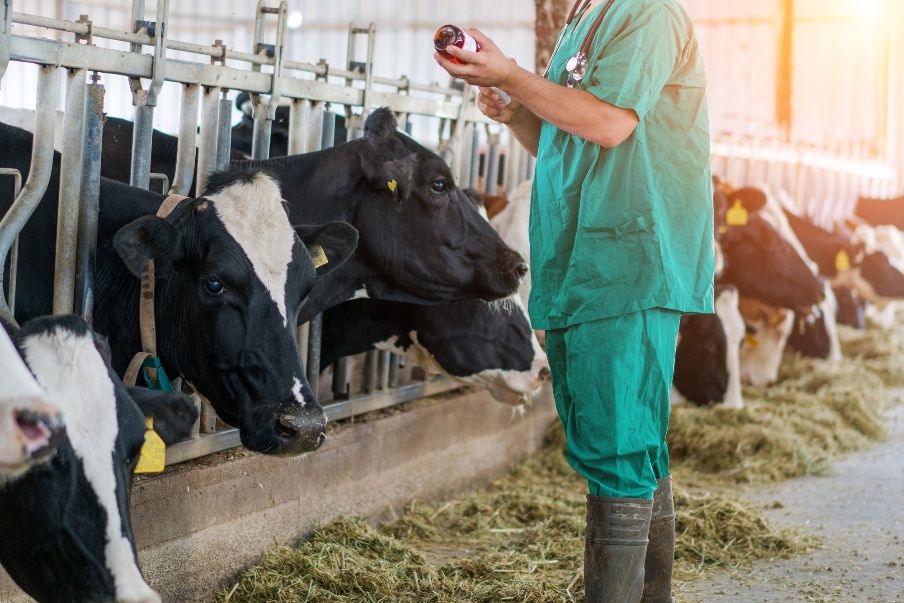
column 286, row 427
column 545, row 374
column 521, row 269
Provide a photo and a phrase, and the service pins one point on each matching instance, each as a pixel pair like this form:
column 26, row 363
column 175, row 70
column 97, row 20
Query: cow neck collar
column 146, row 322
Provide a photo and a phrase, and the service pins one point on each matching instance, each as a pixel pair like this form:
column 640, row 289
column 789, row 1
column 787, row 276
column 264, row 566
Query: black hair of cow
column 381, row 123
column 217, row 181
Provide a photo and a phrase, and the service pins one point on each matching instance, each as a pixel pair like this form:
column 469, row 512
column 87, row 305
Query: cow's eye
column 438, row 186
column 214, row 286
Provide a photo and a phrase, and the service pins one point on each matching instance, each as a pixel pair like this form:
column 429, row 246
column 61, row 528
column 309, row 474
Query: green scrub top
column 619, row 230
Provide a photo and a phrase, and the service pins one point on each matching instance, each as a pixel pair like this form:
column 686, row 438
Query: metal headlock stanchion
column 90, row 199
column 146, row 100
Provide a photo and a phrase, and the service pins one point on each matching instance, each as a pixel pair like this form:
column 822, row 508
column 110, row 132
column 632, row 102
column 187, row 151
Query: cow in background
column 879, row 212
column 30, row 425
column 67, row 531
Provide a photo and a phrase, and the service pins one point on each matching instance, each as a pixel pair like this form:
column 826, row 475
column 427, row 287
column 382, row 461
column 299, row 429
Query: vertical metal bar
column 260, row 140
column 474, row 175
column 370, row 371
column 14, row 255
column 146, row 100
column 188, row 134
column 207, row 147
column 394, row 363
column 6, row 22
column 490, row 185
column 299, row 115
column 90, row 201
column 383, row 362
column 70, row 193
column 314, row 134
column 315, row 331
column 224, row 134
column 340, row 379
column 142, row 130
column 328, row 136
column 39, row 173
column 264, row 114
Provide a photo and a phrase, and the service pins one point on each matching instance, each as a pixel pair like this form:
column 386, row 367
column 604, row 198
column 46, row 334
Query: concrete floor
column 857, row 511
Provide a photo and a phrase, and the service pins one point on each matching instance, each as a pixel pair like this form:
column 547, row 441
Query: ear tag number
column 392, row 185
column 319, row 256
column 842, row 261
column 737, row 215
column 751, row 340
column 153, row 452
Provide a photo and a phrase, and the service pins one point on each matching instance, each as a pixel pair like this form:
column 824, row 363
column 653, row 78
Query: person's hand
column 488, row 67
column 491, row 104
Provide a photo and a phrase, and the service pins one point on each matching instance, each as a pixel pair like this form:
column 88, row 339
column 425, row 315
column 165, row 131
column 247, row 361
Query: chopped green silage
column 521, row 539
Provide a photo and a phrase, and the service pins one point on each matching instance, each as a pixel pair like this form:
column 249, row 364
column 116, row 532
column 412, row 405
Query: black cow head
column 418, row 228
column 231, row 276
column 758, row 258
column 67, row 531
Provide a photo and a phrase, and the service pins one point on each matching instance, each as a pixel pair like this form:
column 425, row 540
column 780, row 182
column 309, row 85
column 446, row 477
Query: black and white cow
column 490, row 345
column 67, row 531
column 707, row 358
column 30, row 424
column 230, row 276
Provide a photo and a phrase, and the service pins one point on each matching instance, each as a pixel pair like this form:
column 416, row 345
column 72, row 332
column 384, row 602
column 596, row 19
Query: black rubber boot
column 615, row 549
column 657, row 584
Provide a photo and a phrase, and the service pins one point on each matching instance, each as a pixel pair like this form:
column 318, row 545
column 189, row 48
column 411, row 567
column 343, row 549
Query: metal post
column 328, row 137
column 14, row 254
column 146, row 100
column 370, row 371
column 70, row 192
column 340, row 379
column 188, row 135
column 315, row 332
column 224, row 134
column 491, row 184
column 264, row 114
column 90, row 200
column 474, row 175
column 39, row 174
column 207, row 147
column 299, row 116
column 6, row 23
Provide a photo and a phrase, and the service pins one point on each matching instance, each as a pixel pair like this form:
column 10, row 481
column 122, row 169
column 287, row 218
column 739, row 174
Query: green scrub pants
column 611, row 379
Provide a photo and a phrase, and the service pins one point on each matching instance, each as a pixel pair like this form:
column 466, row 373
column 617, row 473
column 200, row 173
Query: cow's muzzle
column 39, row 432
column 300, row 432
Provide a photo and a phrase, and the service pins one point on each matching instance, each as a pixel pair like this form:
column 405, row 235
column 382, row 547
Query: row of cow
column 367, row 229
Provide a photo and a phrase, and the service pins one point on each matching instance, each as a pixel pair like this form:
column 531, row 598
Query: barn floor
column 856, row 511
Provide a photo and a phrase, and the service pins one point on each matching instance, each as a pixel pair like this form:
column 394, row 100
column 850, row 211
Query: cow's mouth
column 41, row 433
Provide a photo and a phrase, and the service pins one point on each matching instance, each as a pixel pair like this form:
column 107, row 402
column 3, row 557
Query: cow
column 511, row 222
column 30, row 424
column 490, row 345
column 421, row 239
column 758, row 256
column 707, row 357
column 879, row 212
column 851, row 307
column 816, row 336
column 243, row 132
column 230, row 274
column 67, row 532
column 768, row 329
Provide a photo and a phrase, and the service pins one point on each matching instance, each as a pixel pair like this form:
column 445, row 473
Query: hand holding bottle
column 459, row 48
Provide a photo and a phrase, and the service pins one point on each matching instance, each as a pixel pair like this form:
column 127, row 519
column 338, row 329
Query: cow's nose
column 301, row 433
column 41, row 432
column 521, row 269
column 545, row 374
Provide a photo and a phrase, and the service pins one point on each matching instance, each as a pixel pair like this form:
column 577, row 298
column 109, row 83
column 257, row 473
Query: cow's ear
column 147, row 238
column 174, row 413
column 753, row 199
column 330, row 245
column 393, row 177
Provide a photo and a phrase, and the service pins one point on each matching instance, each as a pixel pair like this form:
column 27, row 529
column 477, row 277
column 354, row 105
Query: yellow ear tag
column 319, row 256
column 737, row 215
column 392, row 184
column 751, row 340
column 153, row 452
column 842, row 261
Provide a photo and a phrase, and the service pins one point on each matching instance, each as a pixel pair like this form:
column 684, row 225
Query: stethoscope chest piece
column 576, row 66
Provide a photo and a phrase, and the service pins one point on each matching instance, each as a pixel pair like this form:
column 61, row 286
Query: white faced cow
column 67, row 532
column 30, row 425
column 230, row 276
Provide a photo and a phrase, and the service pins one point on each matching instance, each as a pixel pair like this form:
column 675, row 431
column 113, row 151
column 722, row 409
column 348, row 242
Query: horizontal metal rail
column 335, row 411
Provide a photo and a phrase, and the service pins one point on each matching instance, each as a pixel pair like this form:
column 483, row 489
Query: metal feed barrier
column 311, row 90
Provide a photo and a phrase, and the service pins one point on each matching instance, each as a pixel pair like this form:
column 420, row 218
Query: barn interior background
column 804, row 94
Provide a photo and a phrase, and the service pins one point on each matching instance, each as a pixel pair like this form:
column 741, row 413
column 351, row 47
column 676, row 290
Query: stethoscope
column 576, row 66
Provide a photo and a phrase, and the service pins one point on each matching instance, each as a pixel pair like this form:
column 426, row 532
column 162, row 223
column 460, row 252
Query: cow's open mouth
column 41, row 432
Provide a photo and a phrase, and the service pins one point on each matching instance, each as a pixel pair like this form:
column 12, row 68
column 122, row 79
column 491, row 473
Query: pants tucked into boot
column 615, row 549
column 657, row 587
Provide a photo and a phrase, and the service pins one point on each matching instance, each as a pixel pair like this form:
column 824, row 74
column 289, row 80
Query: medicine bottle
column 452, row 35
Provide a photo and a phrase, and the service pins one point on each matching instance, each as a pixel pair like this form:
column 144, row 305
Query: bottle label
column 469, row 43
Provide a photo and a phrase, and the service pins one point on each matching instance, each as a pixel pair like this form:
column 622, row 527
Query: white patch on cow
column 296, row 391
column 74, row 374
column 885, row 239
column 829, row 309
column 20, row 393
column 761, row 354
column 734, row 329
column 253, row 215
column 512, row 225
column 675, row 397
column 360, row 294
column 773, row 214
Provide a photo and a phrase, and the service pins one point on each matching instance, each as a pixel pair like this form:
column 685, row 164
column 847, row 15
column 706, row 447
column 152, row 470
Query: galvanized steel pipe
column 90, row 201
column 207, row 146
column 70, row 193
column 299, row 116
column 188, row 134
column 39, row 172
column 224, row 135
